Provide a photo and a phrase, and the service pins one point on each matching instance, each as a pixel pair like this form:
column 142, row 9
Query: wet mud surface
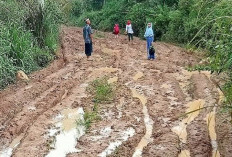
column 145, row 119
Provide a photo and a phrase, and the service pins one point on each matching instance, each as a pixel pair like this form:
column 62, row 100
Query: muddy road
column 39, row 118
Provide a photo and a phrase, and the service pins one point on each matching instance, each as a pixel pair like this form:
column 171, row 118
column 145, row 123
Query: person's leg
column 89, row 50
column 148, row 48
column 86, row 50
column 129, row 36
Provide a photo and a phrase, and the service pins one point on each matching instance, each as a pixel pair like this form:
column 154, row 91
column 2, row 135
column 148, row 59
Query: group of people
column 149, row 35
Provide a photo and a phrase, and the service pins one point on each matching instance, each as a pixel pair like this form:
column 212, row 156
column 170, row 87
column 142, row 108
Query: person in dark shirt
column 87, row 34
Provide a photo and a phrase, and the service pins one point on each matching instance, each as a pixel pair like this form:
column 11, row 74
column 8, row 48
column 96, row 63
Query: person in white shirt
column 129, row 30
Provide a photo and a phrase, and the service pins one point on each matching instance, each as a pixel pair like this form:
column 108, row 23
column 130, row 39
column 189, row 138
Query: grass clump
column 99, row 34
column 90, row 117
column 102, row 91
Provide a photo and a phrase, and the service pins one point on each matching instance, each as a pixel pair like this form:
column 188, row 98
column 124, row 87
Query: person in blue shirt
column 87, row 34
column 149, row 35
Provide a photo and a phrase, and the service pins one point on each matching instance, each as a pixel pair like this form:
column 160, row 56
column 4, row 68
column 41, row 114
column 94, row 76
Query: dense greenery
column 199, row 24
column 29, row 36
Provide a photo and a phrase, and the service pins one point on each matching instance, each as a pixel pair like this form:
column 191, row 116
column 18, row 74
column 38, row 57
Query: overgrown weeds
column 102, row 91
column 99, row 34
column 90, row 117
column 29, row 36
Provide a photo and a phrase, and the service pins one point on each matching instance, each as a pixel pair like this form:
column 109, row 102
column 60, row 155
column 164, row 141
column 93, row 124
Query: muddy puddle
column 124, row 135
column 148, row 124
column 211, row 119
column 9, row 151
column 193, row 107
column 211, row 123
column 67, row 131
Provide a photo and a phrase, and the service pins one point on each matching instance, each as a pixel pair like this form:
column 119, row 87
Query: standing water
column 8, row 152
column 66, row 141
column 148, row 123
column 193, row 107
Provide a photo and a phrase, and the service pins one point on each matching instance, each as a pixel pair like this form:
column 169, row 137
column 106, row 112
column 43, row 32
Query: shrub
column 29, row 36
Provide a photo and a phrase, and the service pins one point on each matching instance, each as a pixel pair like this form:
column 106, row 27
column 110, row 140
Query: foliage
column 89, row 117
column 29, row 36
column 102, row 91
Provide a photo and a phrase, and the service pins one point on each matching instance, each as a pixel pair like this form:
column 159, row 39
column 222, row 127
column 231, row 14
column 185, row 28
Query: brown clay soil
column 27, row 110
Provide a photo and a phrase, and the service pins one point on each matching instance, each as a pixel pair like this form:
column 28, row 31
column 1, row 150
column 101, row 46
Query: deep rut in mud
column 40, row 118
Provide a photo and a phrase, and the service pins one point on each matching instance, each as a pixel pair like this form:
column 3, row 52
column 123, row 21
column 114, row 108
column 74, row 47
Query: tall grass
column 29, row 36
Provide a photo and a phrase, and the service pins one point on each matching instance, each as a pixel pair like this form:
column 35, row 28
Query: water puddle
column 31, row 108
column 113, row 145
column 8, row 152
column 210, row 119
column 138, row 76
column 181, row 129
column 184, row 153
column 103, row 133
column 68, row 132
column 120, row 106
column 148, row 124
column 112, row 80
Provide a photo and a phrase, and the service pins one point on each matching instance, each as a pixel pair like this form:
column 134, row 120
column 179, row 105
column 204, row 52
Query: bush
column 29, row 36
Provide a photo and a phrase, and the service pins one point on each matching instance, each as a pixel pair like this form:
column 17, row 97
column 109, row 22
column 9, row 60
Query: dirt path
column 142, row 121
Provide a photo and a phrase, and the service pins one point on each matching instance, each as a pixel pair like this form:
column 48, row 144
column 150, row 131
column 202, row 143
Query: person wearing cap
column 87, row 34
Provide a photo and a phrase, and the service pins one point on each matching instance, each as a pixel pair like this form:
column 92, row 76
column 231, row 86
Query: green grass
column 102, row 91
column 99, row 34
column 29, row 37
column 90, row 117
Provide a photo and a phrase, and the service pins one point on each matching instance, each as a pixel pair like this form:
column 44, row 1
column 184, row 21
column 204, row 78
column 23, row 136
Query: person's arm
column 126, row 29
column 91, row 37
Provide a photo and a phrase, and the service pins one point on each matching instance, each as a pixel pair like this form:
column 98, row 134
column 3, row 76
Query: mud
column 151, row 99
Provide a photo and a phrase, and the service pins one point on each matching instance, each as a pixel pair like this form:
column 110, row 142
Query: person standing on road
column 129, row 30
column 116, row 30
column 87, row 34
column 149, row 35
